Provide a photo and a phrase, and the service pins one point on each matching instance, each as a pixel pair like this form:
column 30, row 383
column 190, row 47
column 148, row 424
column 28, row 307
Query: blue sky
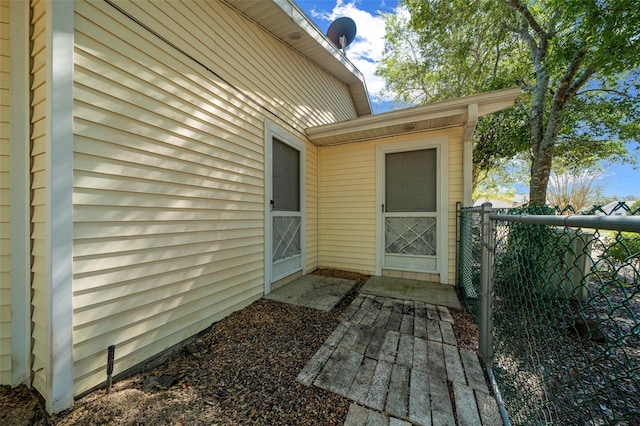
column 365, row 52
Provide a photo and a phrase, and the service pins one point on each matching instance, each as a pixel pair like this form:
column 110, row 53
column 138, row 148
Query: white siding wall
column 169, row 171
column 5, row 283
column 348, row 207
column 38, row 201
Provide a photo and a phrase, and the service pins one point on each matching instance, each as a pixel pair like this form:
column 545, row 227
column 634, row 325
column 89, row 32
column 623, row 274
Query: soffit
column 438, row 115
column 288, row 23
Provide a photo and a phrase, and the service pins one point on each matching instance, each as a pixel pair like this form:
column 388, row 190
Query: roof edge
column 323, row 53
column 487, row 102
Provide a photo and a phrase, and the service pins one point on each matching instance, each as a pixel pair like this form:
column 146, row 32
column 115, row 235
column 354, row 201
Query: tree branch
column 580, row 81
column 522, row 9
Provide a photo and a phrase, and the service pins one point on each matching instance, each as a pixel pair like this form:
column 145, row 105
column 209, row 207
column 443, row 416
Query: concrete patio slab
column 313, row 291
column 405, row 289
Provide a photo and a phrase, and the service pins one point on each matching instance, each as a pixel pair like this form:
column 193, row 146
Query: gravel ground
column 240, row 371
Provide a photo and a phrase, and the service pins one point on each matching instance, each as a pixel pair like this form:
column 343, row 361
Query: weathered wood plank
column 488, row 408
column 390, row 346
column 393, row 323
column 371, row 317
column 360, row 385
column 436, row 360
column 473, row 371
column 377, row 393
column 466, row 408
column 447, row 333
column 419, row 408
column 375, row 343
column 441, row 408
column 420, row 355
column 445, row 315
column 397, row 398
column 433, row 330
column 357, row 416
column 432, row 312
column 455, row 373
column 377, row 419
column 406, row 324
column 420, row 327
column 382, row 319
column 337, row 334
column 315, row 364
column 405, row 351
column 364, row 333
column 397, row 422
column 342, row 381
column 331, row 368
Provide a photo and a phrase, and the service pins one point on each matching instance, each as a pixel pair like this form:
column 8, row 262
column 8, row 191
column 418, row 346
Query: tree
column 566, row 189
column 576, row 60
column 436, row 62
column 574, row 45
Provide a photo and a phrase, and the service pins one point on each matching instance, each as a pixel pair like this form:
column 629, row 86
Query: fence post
column 486, row 287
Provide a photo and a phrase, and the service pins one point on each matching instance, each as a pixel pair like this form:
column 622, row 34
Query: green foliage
column 576, row 60
column 625, row 248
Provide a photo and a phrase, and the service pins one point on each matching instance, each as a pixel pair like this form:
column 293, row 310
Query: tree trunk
column 540, row 171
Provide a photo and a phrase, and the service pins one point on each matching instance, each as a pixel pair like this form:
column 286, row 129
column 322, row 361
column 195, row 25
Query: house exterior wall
column 168, row 190
column 347, row 213
column 5, row 223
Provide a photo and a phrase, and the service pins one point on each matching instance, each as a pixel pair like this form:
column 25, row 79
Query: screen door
column 409, row 210
column 286, row 217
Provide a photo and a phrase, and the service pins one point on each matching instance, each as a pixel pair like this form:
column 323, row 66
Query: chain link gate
column 557, row 300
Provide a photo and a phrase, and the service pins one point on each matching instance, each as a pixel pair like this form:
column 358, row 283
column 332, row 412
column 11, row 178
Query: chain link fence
column 561, row 318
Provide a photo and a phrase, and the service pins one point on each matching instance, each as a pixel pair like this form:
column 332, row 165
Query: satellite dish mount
column 342, row 32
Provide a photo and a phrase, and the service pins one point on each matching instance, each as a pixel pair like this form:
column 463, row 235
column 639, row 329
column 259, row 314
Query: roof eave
column 449, row 113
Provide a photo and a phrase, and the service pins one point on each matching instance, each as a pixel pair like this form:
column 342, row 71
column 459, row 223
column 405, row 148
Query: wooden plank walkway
column 398, row 361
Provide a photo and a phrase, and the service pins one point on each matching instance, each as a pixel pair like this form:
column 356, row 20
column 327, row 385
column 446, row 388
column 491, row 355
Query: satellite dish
column 342, row 32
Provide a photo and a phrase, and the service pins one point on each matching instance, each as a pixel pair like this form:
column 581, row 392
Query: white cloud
column 366, row 50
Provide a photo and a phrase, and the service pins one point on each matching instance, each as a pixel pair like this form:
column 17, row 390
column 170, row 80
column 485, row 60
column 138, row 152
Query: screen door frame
column 441, row 145
column 273, row 131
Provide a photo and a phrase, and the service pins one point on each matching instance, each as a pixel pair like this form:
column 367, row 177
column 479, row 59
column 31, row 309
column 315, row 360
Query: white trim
column 272, row 130
column 59, row 207
column 19, row 205
column 467, row 155
column 441, row 144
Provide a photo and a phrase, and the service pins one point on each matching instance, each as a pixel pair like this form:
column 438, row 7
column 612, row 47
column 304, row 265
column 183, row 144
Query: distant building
column 615, row 208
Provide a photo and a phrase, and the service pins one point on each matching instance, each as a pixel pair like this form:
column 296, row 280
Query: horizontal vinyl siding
column 348, row 201
column 347, row 207
column 38, row 198
column 5, row 284
column 250, row 59
column 169, row 171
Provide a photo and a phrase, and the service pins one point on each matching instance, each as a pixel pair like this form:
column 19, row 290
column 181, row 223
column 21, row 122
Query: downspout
column 467, row 155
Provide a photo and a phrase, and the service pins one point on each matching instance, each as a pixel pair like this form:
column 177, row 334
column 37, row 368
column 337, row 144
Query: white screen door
column 286, row 216
column 409, row 210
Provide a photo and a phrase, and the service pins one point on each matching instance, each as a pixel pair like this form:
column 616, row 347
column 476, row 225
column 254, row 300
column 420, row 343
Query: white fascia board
column 487, row 103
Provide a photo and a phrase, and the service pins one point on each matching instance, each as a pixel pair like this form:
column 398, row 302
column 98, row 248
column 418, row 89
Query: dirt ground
column 240, row 371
